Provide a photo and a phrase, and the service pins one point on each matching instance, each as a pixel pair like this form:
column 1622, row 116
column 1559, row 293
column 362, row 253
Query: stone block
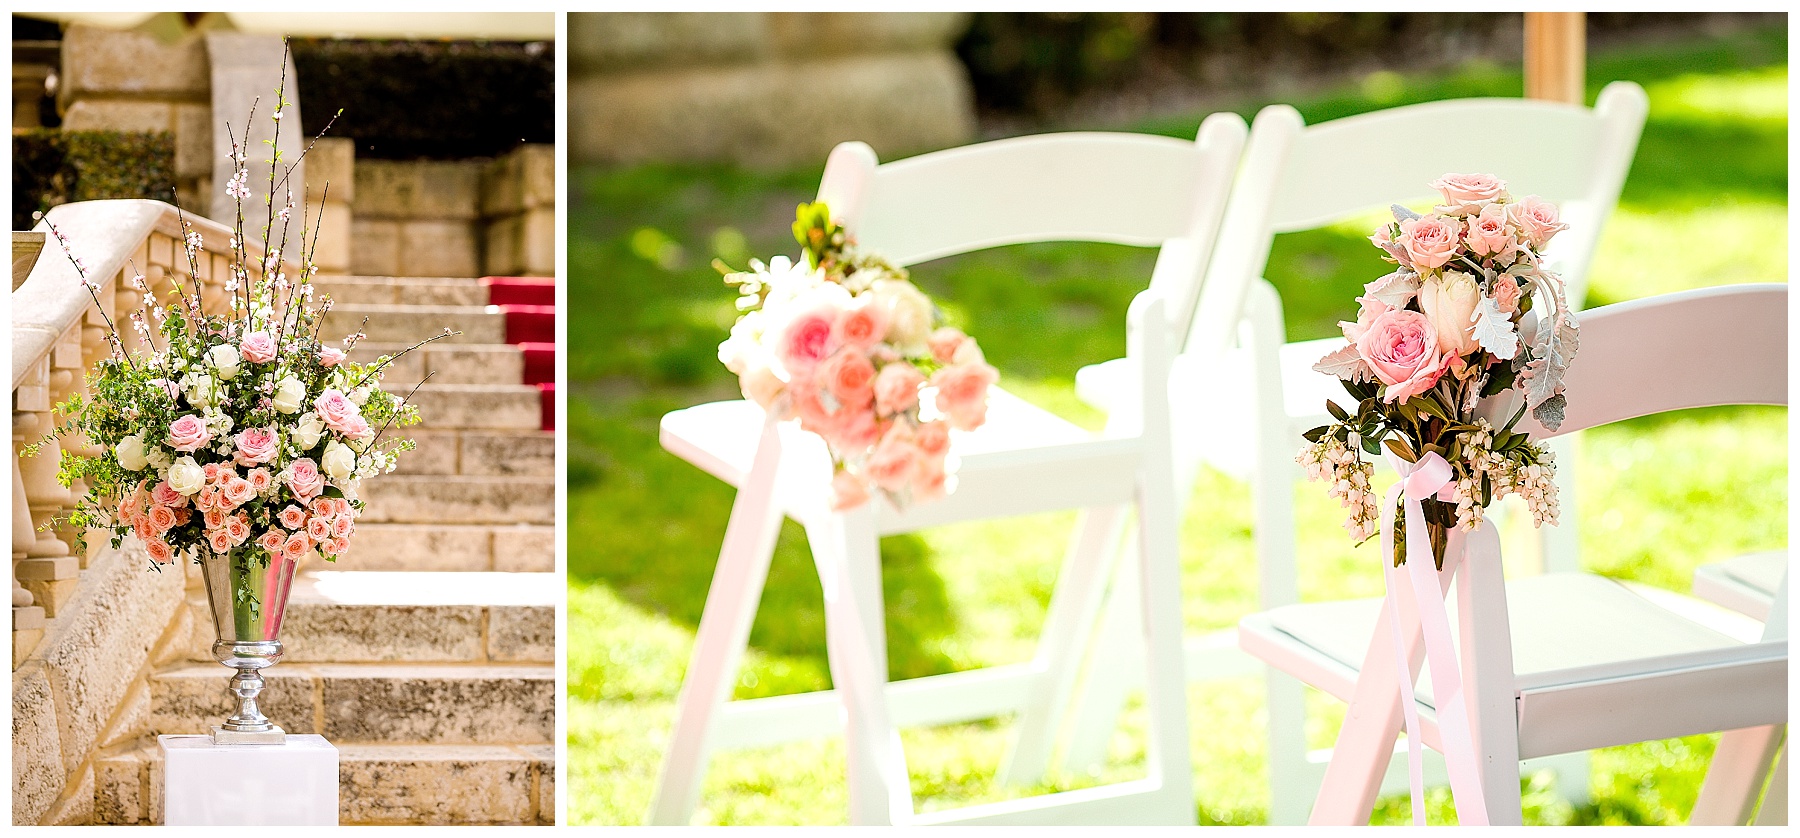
column 438, row 704
column 336, row 239
column 436, row 453
column 502, row 254
column 132, row 721
column 522, row 179
column 76, row 808
column 25, row 641
column 513, row 406
column 766, row 115
column 537, row 243
column 522, row 454
column 636, row 40
column 521, row 634
column 474, row 364
column 119, row 780
column 525, row 549
column 119, row 115
column 423, row 189
column 544, row 762
column 434, row 784
column 51, row 594
column 438, row 248
column 417, row 547
column 374, row 246
column 109, row 62
column 37, row 760
column 332, row 161
column 193, row 140
column 408, row 324
column 191, row 699
column 324, row 632
column 460, row 499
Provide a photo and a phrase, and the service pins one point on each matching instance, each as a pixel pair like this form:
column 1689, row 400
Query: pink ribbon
column 1430, row 476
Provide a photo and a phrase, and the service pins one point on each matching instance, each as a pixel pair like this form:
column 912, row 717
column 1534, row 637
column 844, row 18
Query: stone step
column 480, row 452
column 459, row 499
column 377, row 703
column 454, row 363
column 447, row 547
column 404, row 290
column 515, row 406
column 409, row 323
column 377, row 784
column 336, row 616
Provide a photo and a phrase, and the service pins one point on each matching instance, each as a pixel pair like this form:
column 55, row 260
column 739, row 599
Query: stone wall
column 456, row 218
column 518, row 208
column 134, row 81
column 763, row 88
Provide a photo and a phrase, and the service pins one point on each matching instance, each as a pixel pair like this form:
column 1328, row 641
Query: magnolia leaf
column 1346, row 364
column 1494, row 330
column 1396, row 289
column 1336, row 412
column 1317, row 433
column 1401, row 450
column 1403, row 214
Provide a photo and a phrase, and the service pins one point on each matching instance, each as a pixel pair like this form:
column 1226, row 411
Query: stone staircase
column 426, row 653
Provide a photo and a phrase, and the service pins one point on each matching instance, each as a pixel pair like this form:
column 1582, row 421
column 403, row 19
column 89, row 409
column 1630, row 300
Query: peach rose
column 272, row 541
column 893, row 462
column 1463, row 192
column 318, row 529
column 336, row 547
column 811, row 411
column 183, row 515
column 304, row 479
column 847, row 492
column 239, row 492
column 341, row 526
column 128, row 509
column 858, row 430
column 219, row 539
column 944, row 342
column 292, row 517
column 143, row 530
column 962, row 393
column 188, row 434
column 1430, row 241
column 933, row 438
column 165, row 495
column 931, row 481
column 259, row 478
column 258, row 348
column 862, row 325
column 336, row 409
column 162, row 518
column 1506, row 293
column 160, row 551
column 1402, row 349
column 238, row 529
column 850, row 378
column 897, row 388
column 295, row 547
column 1537, row 219
column 329, row 356
column 214, row 518
column 255, row 445
column 1488, row 233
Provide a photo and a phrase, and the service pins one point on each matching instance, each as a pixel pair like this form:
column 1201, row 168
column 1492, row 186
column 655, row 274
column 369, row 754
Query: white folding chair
column 1567, row 662
column 1297, row 177
column 1745, row 584
column 1123, row 188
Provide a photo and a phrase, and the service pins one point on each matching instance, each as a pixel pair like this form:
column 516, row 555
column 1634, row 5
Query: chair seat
column 1622, row 631
column 1745, row 584
column 1008, row 466
column 1216, row 436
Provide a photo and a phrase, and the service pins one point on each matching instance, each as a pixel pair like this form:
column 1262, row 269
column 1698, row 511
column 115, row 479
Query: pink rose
column 219, row 539
column 167, row 386
column 342, row 526
column 128, row 509
column 337, row 410
column 336, row 547
column 295, row 547
column 214, row 518
column 255, row 445
column 931, row 481
column 239, row 492
column 160, row 551
column 292, row 517
column 897, row 388
column 143, row 530
column 272, row 541
column 933, row 438
column 892, row 464
column 304, row 479
column 258, row 348
column 944, row 342
column 238, row 529
column 858, row 430
column 962, row 393
column 188, row 434
column 357, row 428
column 329, row 356
column 162, row 518
column 259, row 478
column 318, row 529
column 862, row 326
column 1430, row 241
column 1372, row 308
column 1488, row 233
column 1538, row 220
column 165, row 495
column 213, row 471
column 850, row 378
column 1506, row 293
column 806, row 340
column 1403, row 351
column 1463, row 192
column 323, row 507
column 847, row 492
column 811, row 410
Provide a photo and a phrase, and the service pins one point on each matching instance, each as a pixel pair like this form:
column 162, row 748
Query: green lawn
column 1705, row 205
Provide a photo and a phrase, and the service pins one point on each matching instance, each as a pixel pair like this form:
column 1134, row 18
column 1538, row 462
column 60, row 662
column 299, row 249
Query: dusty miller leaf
column 1554, row 346
column 1396, row 289
column 1494, row 330
column 1403, row 214
column 1550, row 413
column 1347, row 364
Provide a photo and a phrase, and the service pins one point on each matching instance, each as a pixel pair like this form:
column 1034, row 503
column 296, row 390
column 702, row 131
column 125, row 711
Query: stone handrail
column 57, row 335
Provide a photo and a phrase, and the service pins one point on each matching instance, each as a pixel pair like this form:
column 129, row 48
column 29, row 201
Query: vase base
column 273, row 736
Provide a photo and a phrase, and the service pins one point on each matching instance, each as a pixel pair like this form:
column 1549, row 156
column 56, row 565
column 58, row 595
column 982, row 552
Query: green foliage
column 52, row 166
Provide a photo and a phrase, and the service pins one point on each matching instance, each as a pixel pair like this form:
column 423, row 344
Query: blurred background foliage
column 52, row 167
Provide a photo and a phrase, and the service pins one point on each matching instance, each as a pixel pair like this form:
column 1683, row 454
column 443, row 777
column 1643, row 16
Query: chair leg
column 1115, row 661
column 1734, row 780
column 1165, row 657
column 1488, row 678
column 846, row 551
column 724, row 633
column 1068, row 630
column 1774, row 806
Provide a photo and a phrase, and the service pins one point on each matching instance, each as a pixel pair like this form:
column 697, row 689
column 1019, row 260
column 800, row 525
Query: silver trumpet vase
column 248, row 592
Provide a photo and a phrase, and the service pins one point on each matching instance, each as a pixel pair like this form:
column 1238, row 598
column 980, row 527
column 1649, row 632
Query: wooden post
column 1556, row 56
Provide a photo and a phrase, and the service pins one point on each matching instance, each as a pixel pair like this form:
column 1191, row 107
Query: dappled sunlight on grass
column 1705, row 205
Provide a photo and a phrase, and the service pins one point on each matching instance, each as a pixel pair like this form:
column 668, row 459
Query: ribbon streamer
column 1430, row 476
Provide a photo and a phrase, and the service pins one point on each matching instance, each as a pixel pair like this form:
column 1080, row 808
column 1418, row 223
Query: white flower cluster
column 1335, row 462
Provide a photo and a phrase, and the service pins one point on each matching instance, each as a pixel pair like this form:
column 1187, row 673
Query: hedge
column 443, row 100
column 52, row 166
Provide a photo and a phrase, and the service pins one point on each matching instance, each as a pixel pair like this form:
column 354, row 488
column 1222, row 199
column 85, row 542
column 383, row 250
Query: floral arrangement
column 1443, row 348
column 238, row 433
column 845, row 342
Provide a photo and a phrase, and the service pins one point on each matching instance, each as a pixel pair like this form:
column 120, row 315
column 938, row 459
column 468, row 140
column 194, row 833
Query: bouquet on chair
column 845, row 342
column 1445, row 356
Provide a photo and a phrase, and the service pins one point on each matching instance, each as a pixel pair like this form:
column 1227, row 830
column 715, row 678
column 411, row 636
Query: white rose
column 289, row 394
column 200, row 389
column 130, row 452
column 186, row 476
column 360, row 395
column 158, row 457
column 1449, row 304
column 339, row 461
column 224, row 358
column 909, row 314
column 307, row 433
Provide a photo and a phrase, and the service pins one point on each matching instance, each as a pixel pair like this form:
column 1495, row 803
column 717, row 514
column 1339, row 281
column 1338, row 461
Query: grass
column 1655, row 496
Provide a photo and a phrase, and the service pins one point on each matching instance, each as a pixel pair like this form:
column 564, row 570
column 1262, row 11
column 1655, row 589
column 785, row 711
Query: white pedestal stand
column 292, row 784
